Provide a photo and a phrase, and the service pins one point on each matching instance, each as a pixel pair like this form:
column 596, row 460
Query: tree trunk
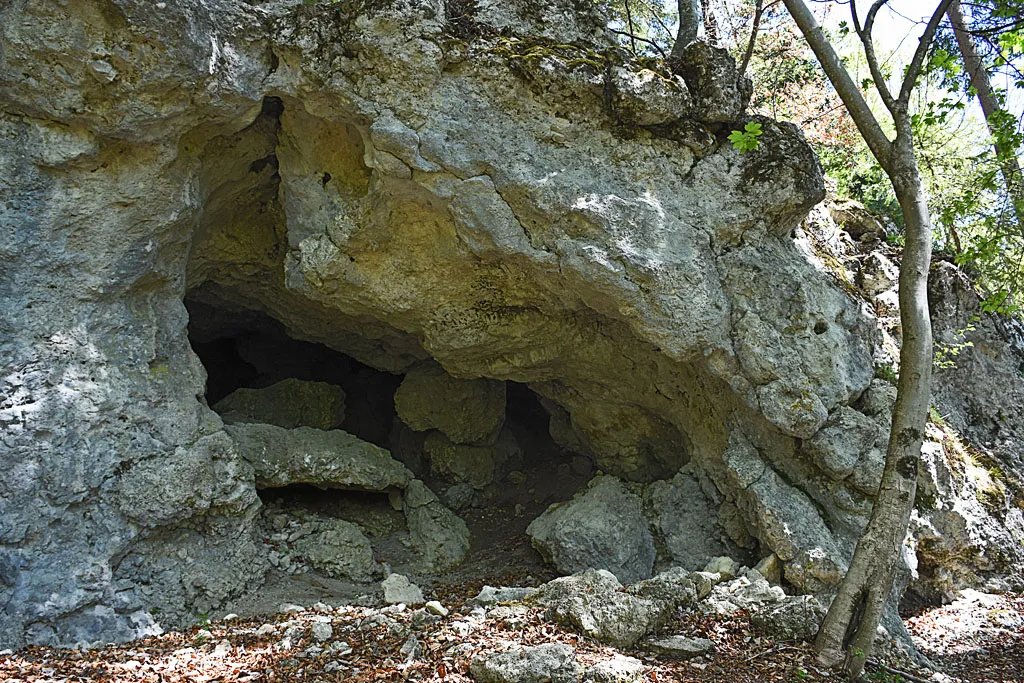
column 689, row 26
column 848, row 631
column 710, row 22
column 1008, row 163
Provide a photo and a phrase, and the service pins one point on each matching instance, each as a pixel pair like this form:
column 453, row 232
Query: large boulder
column 334, row 459
column 550, row 663
column 603, row 527
column 439, row 537
column 465, row 411
column 340, row 550
column 289, row 403
column 593, row 604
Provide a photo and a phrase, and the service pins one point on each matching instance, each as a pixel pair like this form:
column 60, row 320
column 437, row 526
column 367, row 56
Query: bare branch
column 914, row 70
column 758, row 11
column 642, row 40
column 864, row 33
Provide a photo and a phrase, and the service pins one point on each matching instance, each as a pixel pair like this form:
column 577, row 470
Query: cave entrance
column 243, row 350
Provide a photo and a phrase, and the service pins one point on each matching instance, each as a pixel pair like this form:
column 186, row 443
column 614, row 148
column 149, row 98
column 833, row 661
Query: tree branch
column 758, row 11
column 864, row 33
column 914, row 70
column 865, row 120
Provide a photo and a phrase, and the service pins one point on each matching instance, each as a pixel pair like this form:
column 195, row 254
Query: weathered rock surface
column 466, row 411
column 592, row 603
column 303, row 161
column 679, row 647
column 437, row 534
column 289, row 403
column 796, row 617
column 339, row 549
column 550, row 663
column 281, row 457
column 601, row 528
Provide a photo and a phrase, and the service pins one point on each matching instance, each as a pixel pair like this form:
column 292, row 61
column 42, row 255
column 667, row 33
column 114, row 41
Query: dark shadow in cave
column 243, row 348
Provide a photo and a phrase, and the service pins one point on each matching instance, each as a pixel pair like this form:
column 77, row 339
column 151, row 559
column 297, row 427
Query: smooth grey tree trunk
column 847, row 635
column 1008, row 163
column 689, row 25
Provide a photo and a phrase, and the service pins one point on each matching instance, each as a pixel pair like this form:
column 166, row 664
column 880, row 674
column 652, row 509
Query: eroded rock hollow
column 269, row 259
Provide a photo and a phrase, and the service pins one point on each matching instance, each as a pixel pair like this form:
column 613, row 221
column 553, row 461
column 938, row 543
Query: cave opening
column 243, row 349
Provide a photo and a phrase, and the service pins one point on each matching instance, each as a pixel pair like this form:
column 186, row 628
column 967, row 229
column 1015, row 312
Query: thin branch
column 758, row 11
column 642, row 40
column 914, row 70
column 864, row 33
column 629, row 21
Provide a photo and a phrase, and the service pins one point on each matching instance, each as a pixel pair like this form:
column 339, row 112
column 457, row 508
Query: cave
column 245, row 349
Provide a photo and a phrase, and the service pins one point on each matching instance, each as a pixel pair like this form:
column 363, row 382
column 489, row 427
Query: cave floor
column 362, row 646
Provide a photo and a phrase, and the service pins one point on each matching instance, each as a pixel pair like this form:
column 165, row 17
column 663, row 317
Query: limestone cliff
column 474, row 195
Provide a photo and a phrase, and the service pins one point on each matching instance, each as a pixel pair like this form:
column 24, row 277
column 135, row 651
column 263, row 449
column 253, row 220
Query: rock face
column 307, row 161
column 289, row 403
column 603, row 528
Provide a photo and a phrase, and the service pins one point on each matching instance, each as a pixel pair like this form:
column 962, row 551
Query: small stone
column 398, row 589
column 223, row 649
column 724, row 566
column 489, row 595
column 618, row 669
column 680, row 647
column 770, row 568
column 265, row 630
column 411, row 648
column 321, row 631
column 435, row 607
column 289, row 608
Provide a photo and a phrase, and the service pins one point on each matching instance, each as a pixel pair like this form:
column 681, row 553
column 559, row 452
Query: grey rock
column 602, row 527
column 648, row 98
column 435, row 607
column 592, row 604
column 289, row 403
column 439, row 537
column 726, row 567
column 476, row 465
column 618, row 669
column 339, row 549
column 490, row 595
column 321, row 631
column 770, row 568
column 550, row 663
column 840, row 444
column 466, row 411
column 399, row 590
column 794, row 618
column 679, row 647
column 684, row 521
column 719, row 91
column 281, row 457
column 675, row 587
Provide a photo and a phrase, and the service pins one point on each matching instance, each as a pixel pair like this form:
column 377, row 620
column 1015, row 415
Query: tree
column 690, row 14
column 848, row 631
column 1006, row 153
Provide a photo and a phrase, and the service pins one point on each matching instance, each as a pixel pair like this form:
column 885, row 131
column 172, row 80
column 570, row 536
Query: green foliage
column 747, row 139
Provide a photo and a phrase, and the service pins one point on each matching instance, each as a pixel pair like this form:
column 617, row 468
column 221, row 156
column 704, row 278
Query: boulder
column 490, row 595
column 329, row 459
column 592, row 603
column 724, row 566
column 618, row 669
column 675, row 587
column 647, row 98
column 550, row 663
column 684, row 521
column 289, row 403
column 795, row 617
column 399, row 590
column 439, row 537
column 720, row 92
column 477, row 465
column 466, row 411
column 602, row 527
column 340, row 550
